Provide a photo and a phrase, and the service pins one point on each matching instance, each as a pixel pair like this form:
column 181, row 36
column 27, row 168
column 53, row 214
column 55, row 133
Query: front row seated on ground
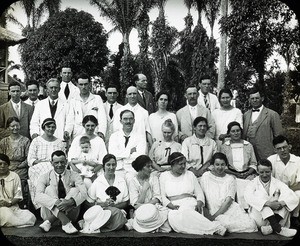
column 179, row 202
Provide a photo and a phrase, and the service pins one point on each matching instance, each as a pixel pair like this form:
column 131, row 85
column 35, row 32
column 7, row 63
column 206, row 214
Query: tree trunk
column 223, row 49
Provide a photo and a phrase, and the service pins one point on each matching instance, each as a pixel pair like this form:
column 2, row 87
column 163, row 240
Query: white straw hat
column 148, row 218
column 94, row 218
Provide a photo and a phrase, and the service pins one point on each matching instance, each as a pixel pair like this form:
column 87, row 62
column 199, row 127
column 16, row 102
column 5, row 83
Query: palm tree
column 211, row 10
column 123, row 14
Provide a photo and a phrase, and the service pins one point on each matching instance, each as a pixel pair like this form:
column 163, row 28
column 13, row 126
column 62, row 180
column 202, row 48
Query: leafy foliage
column 68, row 37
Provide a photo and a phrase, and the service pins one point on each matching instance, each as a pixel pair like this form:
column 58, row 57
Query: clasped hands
column 64, row 205
column 275, row 205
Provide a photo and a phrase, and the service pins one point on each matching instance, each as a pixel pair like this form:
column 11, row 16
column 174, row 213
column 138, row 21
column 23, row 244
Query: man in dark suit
column 261, row 125
column 15, row 107
column 145, row 98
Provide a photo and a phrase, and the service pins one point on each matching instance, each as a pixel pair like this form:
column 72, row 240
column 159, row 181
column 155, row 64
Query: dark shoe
column 295, row 223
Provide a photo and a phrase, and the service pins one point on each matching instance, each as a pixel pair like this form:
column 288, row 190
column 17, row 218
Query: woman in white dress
column 98, row 148
column 10, row 196
column 162, row 149
column 219, row 189
column 182, row 194
column 241, row 160
column 39, row 155
column 225, row 115
column 110, row 191
column 160, row 116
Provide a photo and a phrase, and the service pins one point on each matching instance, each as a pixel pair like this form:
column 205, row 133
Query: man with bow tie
column 261, row 125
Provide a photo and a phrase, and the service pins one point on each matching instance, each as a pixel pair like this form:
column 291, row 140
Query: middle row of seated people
column 193, row 207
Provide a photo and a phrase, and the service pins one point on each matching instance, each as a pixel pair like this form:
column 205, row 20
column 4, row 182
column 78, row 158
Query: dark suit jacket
column 7, row 110
column 268, row 126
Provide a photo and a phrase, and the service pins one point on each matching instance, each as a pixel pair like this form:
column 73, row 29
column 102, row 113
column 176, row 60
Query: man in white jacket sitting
column 271, row 202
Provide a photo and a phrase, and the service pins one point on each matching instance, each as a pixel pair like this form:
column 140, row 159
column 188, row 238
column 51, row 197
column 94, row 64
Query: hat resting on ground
column 148, row 218
column 94, row 218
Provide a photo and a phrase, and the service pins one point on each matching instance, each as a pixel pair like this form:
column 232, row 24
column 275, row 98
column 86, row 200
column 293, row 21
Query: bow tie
column 255, row 110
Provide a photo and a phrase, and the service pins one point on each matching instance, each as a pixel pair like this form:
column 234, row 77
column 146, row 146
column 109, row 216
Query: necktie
column 206, row 102
column 52, row 103
column 255, row 110
column 111, row 113
column 32, row 103
column 61, row 188
column 126, row 140
column 144, row 99
column 18, row 110
column 67, row 91
column 201, row 152
column 168, row 151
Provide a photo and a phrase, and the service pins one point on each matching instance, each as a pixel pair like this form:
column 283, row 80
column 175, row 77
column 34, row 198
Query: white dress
column 223, row 118
column 14, row 216
column 40, row 149
column 216, row 190
column 186, row 219
column 155, row 123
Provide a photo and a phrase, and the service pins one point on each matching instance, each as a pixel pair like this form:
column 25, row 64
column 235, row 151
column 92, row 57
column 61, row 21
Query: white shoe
column 266, row 230
column 69, row 228
column 221, row 230
column 286, row 232
column 45, row 226
column 128, row 225
column 81, row 223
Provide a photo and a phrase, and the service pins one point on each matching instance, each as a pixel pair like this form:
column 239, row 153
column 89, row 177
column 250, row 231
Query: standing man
column 261, row 125
column 110, row 106
column 85, row 103
column 286, row 168
column 32, row 87
column 15, row 107
column 270, row 202
column 140, row 114
column 60, row 192
column 67, row 89
column 144, row 97
column 50, row 107
column 187, row 115
column 207, row 99
column 126, row 144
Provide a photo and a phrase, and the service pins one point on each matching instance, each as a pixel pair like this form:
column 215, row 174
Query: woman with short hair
column 10, row 196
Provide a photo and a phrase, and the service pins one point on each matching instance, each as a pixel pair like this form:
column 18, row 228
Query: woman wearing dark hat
column 10, row 196
column 182, row 194
column 39, row 154
column 110, row 192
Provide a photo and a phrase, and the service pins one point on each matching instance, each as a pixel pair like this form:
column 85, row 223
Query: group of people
column 102, row 166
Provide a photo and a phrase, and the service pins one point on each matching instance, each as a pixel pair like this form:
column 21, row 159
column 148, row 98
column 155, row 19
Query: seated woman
column 16, row 148
column 160, row 116
column 111, row 193
column 182, row 194
column 161, row 150
column 144, row 189
column 10, row 196
column 39, row 155
column 241, row 160
column 219, row 190
column 97, row 146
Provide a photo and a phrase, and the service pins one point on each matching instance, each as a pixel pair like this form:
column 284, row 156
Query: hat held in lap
column 94, row 218
column 148, row 218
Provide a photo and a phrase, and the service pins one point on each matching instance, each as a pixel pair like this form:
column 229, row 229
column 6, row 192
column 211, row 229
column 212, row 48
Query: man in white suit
column 187, row 115
column 67, row 89
column 60, row 193
column 270, row 201
column 85, row 103
column 110, row 106
column 126, row 144
column 50, row 107
column 207, row 99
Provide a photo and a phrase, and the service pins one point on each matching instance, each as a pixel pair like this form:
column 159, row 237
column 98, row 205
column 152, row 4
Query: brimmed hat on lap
column 94, row 218
column 148, row 218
